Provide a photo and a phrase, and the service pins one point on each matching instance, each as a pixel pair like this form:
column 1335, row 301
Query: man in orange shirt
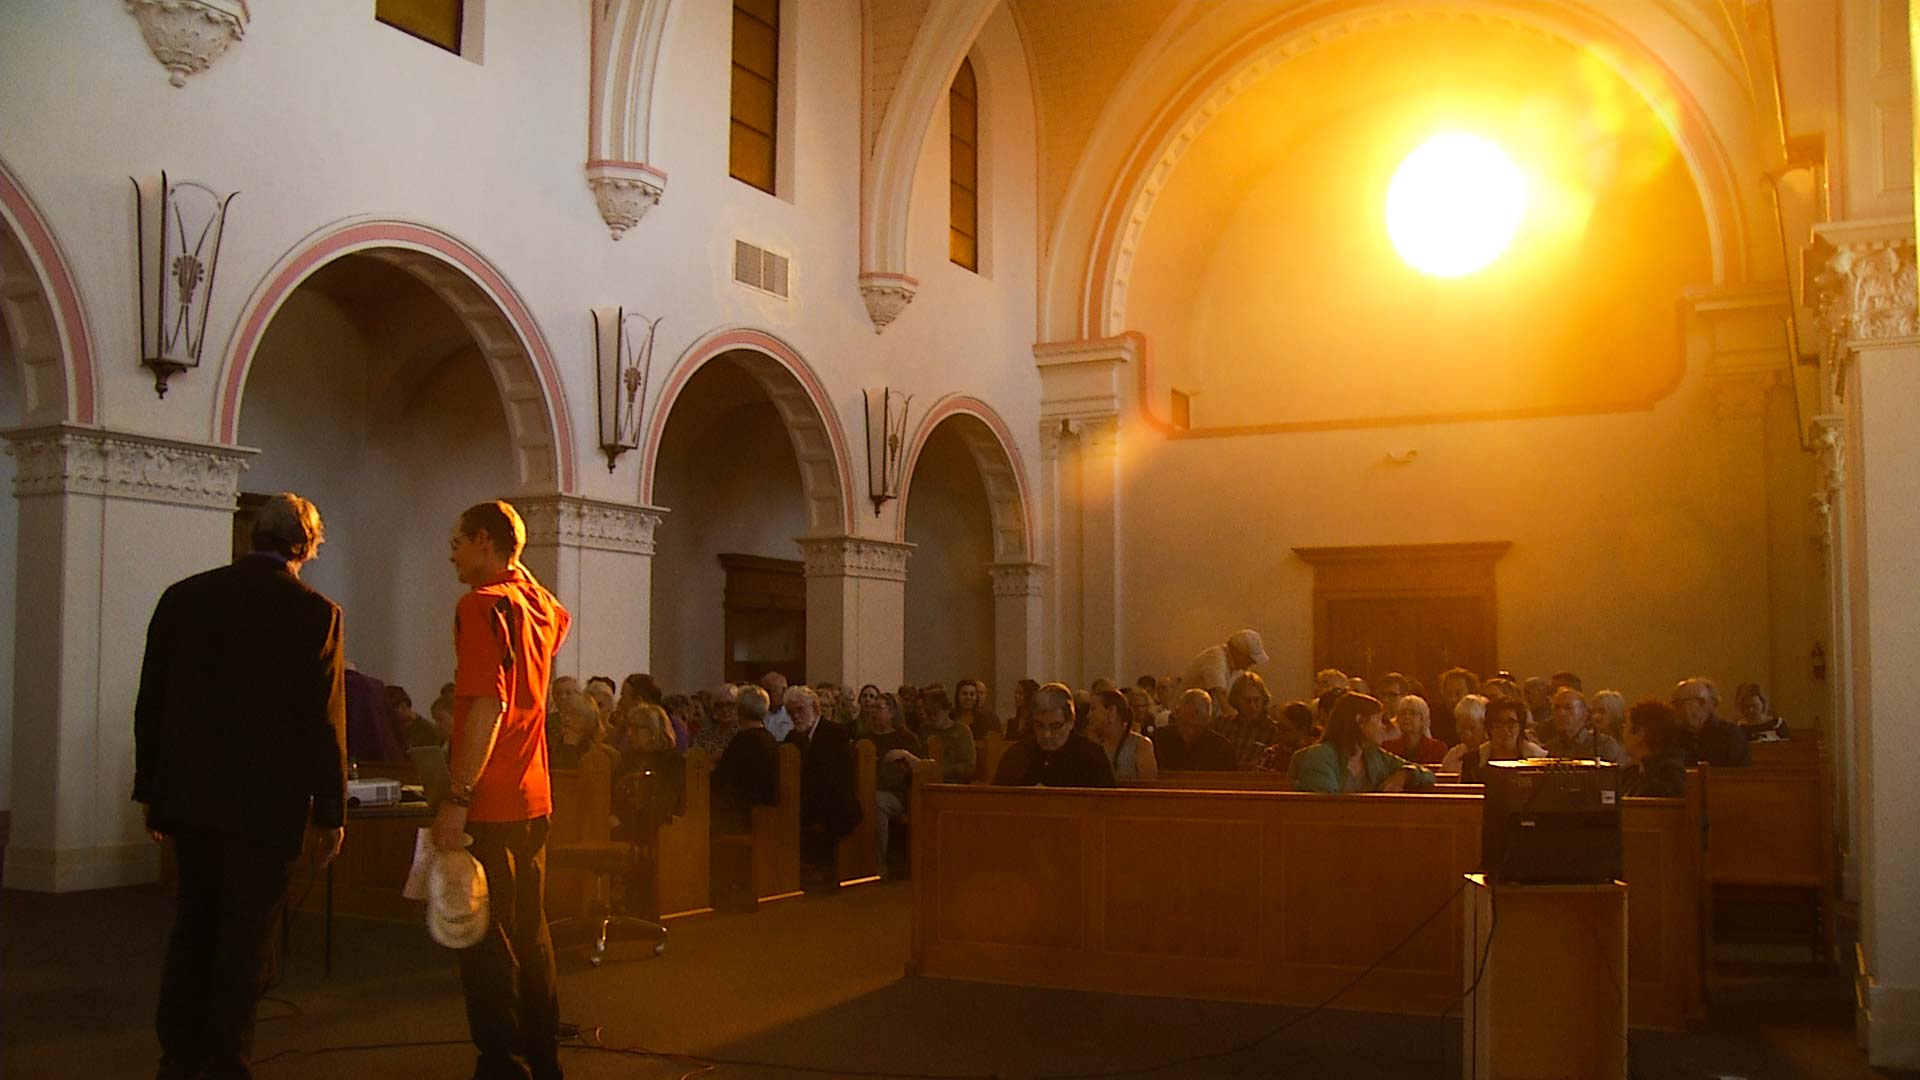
column 505, row 632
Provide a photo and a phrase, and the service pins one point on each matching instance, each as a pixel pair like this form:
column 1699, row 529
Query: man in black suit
column 829, row 805
column 239, row 740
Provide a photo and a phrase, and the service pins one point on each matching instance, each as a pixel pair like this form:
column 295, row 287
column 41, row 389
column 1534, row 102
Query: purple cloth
column 370, row 734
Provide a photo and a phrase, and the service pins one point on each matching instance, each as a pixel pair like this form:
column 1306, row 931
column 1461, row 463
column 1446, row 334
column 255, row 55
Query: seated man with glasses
column 1053, row 754
column 1704, row 735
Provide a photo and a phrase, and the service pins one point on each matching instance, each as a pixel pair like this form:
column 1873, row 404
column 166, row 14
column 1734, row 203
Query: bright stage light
column 1454, row 204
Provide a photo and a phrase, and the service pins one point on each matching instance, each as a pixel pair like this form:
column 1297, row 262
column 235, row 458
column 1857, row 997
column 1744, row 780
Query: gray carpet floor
column 815, row 983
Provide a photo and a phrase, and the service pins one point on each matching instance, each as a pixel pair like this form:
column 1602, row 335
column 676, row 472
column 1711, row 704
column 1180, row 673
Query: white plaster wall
column 1631, row 561
column 949, row 595
column 735, row 488
column 9, row 549
column 389, row 477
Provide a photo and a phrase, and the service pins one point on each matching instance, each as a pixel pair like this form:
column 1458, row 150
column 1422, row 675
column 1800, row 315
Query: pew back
column 681, row 852
column 1772, row 827
column 857, row 859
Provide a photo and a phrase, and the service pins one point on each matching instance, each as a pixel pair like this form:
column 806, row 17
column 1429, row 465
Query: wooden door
column 1413, row 608
column 765, row 619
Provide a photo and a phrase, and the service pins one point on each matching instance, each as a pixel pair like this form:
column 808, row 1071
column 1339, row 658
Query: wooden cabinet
column 1413, row 608
column 766, row 618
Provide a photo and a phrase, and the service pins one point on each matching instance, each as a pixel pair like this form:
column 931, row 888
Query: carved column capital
column 886, row 296
column 625, row 191
column 572, row 521
column 187, row 36
column 1865, row 289
column 70, row 460
column 1018, row 579
column 855, row 557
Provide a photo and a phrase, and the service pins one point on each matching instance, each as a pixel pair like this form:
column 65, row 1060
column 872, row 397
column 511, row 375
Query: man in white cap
column 1217, row 667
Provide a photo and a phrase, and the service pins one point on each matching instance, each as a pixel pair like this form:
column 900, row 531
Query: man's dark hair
column 1473, row 681
column 933, row 698
column 1514, row 709
column 611, row 685
column 288, row 526
column 645, row 687
column 1330, row 700
column 1147, row 683
column 1566, row 678
column 1116, row 703
column 1656, row 721
column 499, row 522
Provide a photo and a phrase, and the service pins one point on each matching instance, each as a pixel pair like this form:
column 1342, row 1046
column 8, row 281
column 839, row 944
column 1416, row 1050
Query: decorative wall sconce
column 886, row 443
column 623, row 354
column 176, row 272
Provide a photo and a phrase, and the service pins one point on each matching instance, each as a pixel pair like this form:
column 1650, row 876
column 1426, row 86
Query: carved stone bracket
column 1830, row 454
column 625, row 191
column 1866, row 290
column 886, row 295
column 70, row 460
column 187, row 36
column 571, row 521
column 1018, row 579
column 856, row 557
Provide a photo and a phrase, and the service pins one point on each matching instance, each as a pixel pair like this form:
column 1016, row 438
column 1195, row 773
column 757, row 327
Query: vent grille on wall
column 757, row 268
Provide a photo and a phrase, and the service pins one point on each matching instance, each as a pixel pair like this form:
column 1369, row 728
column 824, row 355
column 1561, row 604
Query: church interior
column 877, row 343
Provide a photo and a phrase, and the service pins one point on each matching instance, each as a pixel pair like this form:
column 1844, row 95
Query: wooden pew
column 1772, row 829
column 857, row 858
column 681, row 847
column 1804, row 749
column 987, row 760
column 1663, row 860
column 771, row 848
column 582, row 814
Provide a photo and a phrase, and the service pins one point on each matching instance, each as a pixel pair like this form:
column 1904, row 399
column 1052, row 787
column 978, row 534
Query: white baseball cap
column 457, row 908
column 1248, row 641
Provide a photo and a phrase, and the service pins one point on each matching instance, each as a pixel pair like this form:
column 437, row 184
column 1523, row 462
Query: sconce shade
column 623, row 357
column 176, row 270
column 886, row 443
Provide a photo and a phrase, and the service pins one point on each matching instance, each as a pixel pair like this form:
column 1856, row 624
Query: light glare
column 1454, row 205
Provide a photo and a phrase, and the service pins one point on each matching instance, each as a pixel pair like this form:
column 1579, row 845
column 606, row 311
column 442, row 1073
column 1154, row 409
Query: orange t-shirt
column 504, row 636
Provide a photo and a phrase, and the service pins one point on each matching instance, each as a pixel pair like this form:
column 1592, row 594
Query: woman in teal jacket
column 1348, row 760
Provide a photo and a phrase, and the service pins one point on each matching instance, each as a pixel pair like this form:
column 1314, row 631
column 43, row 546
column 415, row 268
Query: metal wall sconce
column 190, row 220
column 623, row 355
column 886, row 443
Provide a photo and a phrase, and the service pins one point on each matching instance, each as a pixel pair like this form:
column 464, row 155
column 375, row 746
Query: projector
column 1551, row 821
column 373, row 792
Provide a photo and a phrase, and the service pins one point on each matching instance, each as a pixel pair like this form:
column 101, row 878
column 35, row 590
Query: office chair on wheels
column 642, row 798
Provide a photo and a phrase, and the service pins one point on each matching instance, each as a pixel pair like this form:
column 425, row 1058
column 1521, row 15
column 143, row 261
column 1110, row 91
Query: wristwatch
column 460, row 796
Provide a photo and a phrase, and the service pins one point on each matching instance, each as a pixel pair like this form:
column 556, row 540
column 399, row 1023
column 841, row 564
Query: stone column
column 1872, row 357
column 856, row 609
column 1828, row 503
column 1017, row 628
column 107, row 522
column 1082, row 392
column 597, row 557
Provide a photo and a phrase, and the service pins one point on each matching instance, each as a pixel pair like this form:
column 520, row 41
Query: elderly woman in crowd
column 897, row 749
column 1505, row 722
column 1348, row 758
column 1470, row 720
column 1757, row 719
column 1610, row 714
column 1413, row 736
column 641, row 725
column 723, row 722
column 1656, row 760
column 1111, row 726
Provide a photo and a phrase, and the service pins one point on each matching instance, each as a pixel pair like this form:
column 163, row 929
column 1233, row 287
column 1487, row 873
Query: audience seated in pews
column 748, row 772
column 829, row 805
column 1537, row 692
column 972, row 709
column 415, row 730
column 1704, row 735
column 1112, row 729
column 601, row 689
column 778, row 723
column 1573, row 734
column 1190, row 743
column 574, row 727
column 1248, row 729
column 639, row 723
column 1656, row 761
column 1147, row 713
column 1348, row 759
column 1215, row 667
column 957, row 755
column 1412, row 737
column 1295, row 730
column 896, row 749
column 1505, row 722
column 863, row 709
column 1470, row 720
column 1455, row 683
column 722, row 722
column 1758, row 721
column 1022, row 709
column 909, row 716
column 1053, row 754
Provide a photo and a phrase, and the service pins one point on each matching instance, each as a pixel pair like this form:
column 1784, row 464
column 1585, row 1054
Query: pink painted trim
column 37, row 238
column 364, row 235
column 639, row 166
column 758, row 341
column 963, row 405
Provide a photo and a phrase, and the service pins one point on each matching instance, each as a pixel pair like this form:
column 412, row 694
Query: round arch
column 800, row 397
column 1087, row 290
column 990, row 443
column 40, row 306
column 503, row 329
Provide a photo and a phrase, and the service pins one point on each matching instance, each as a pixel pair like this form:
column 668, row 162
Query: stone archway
column 499, row 321
column 40, row 307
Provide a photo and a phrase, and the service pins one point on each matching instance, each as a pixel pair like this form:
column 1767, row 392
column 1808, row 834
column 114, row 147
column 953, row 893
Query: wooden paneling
column 858, row 856
column 1414, row 608
column 1772, row 827
column 682, row 856
column 1011, row 879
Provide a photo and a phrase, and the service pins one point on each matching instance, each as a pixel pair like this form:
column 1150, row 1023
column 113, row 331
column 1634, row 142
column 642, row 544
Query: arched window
column 756, row 92
column 963, row 168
